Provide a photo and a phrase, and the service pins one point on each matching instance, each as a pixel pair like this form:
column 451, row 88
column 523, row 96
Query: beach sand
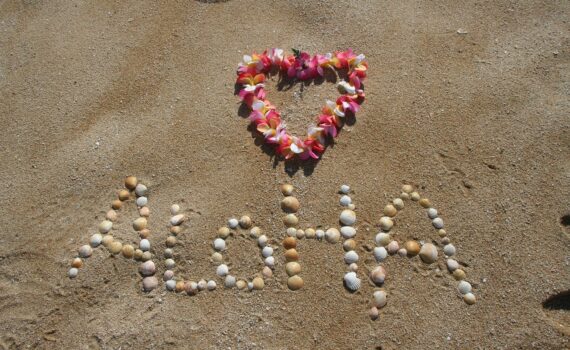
column 466, row 101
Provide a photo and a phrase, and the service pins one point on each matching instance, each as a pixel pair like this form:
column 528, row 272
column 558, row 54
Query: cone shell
column 295, row 282
column 351, row 281
column 378, row 275
column 428, row 253
column 290, row 204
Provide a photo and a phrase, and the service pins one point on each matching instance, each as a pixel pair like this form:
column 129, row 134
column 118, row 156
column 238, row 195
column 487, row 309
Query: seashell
column 250, row 285
column 245, row 222
column 300, row 234
column 269, row 262
column 115, row 247
column 290, row 220
column 351, row 281
column 85, row 251
column 147, row 268
column 72, row 273
column 191, row 287
column 131, row 182
column 168, row 253
column 290, row 204
column 380, row 253
column 291, row 255
column 177, row 219
column 398, row 203
column 258, row 283
column 170, row 285
column 402, row 252
column 233, row 223
column 169, row 263
column 150, row 283
column 267, row 272
column 105, row 226
column 353, row 267
column 146, row 256
column 292, row 268
column 138, row 254
column 292, row 232
column 349, row 244
column 170, row 241
column 174, row 209
column 415, row 196
column 404, row 195
column 223, row 232
column 141, row 190
column 382, row 239
column 219, row 244
column 144, row 233
column 412, row 248
column 116, row 204
column 424, row 202
column 445, row 240
column 111, row 215
column 351, row 206
column 320, row 234
column 386, row 223
column 142, row 201
column 407, row 188
column 168, row 275
column 144, row 245
column 310, row 233
column 464, row 287
column 179, row 286
column 124, row 195
column 262, row 241
column 380, row 297
column 211, row 285
column 267, row 251
column 347, row 217
column 441, row 232
column 217, row 257
column 437, row 223
column 222, row 270
column 286, row 189
column 393, row 247
column 107, row 239
column 390, row 210
column 295, row 282
column 350, row 257
column 139, row 224
column 378, row 275
column 449, row 249
column 345, row 201
column 428, row 253
column 344, row 189
column 289, row 242
column 77, row 263
column 452, row 265
column 230, row 281
column 255, row 232
column 332, row 235
column 241, row 284
column 144, row 211
column 373, row 313
column 469, row 298
column 175, row 230
column 432, row 213
column 347, row 231
column 95, row 240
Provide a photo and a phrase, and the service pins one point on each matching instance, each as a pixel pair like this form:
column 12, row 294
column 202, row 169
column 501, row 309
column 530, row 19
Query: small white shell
column 382, row 239
column 292, row 232
column 169, row 263
column 380, row 253
column 386, row 223
column 350, row 257
column 344, row 189
column 140, row 190
column 168, row 253
column 171, row 284
column 320, row 234
column 432, row 213
column 378, row 275
column 270, row 262
column 250, row 285
column 202, row 284
column 351, row 281
column 464, row 287
column 233, row 223
column 142, row 201
column 345, row 201
column 347, row 217
column 267, row 251
column 351, row 206
column 174, row 209
column 398, row 203
column 332, row 235
column 219, row 244
column 211, row 285
column 177, row 219
column 262, row 241
column 347, row 231
column 402, row 252
column 230, row 281
column 353, row 267
column 96, row 240
column 72, row 273
column 144, row 245
column 222, row 270
column 380, row 297
column 85, row 251
column 393, row 247
column 105, row 226
column 452, row 265
column 449, row 250
column 437, row 223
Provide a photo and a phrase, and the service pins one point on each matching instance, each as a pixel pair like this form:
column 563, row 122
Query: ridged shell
column 378, row 275
column 332, row 235
column 350, row 257
column 351, row 281
column 347, row 217
column 345, row 201
column 347, row 231
column 380, row 297
column 245, row 222
column 222, row 270
column 380, row 253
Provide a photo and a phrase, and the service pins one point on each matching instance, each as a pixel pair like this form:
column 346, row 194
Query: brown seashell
column 373, row 313
column 138, row 254
column 390, row 210
column 77, row 263
column 295, row 282
column 116, row 204
column 241, row 284
column 424, row 202
column 290, row 204
column 128, row 251
column 293, row 268
column 459, row 274
column 124, row 195
column 291, row 255
column 146, row 256
column 310, row 233
column 348, row 245
column 111, row 215
column 412, row 247
column 170, row 241
column 428, row 253
column 415, row 196
column 267, row 272
column 290, row 220
column 107, row 239
column 144, row 211
column 217, row 257
column 407, row 188
column 150, row 283
column 179, row 286
column 258, row 283
column 145, row 233
column 175, row 230
column 286, row 189
column 139, row 224
column 289, row 243
column 131, row 182
column 245, row 222
column 115, row 247
column 224, row 232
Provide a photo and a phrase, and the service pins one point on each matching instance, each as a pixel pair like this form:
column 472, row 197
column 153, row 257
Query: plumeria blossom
column 252, row 74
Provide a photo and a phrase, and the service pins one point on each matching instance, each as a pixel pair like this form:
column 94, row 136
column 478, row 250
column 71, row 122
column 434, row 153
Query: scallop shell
column 267, row 251
column 386, row 223
column 437, row 223
column 351, row 281
column 219, row 244
column 105, row 226
column 255, row 232
column 141, row 190
column 293, row 268
column 347, row 231
column 350, row 257
column 245, row 222
column 107, row 239
column 428, row 253
column 222, row 270
column 332, row 235
column 217, row 257
column 378, row 275
column 345, row 201
column 382, row 239
column 191, row 288
column 131, row 182
column 464, row 287
column 449, row 250
column 347, row 217
column 380, row 253
column 144, row 245
column 96, row 240
column 233, row 223
column 85, row 251
column 290, row 204
column 147, row 268
column 380, row 297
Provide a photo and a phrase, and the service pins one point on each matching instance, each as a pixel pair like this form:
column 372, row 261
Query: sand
column 479, row 121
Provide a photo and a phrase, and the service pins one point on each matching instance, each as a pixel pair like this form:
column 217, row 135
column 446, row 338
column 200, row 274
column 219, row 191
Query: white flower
column 347, row 87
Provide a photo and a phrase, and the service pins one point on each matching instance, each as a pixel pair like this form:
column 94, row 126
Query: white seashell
column 432, row 213
column 174, row 209
column 464, row 287
column 202, row 284
column 380, row 253
column 398, row 203
column 144, row 245
column 350, row 257
column 95, row 240
column 386, row 223
column 345, row 201
column 449, row 250
column 402, row 252
column 105, row 226
column 250, row 285
column 168, row 253
column 344, row 189
column 353, row 267
column 378, row 275
column 332, row 235
column 452, row 265
column 262, row 241
column 393, row 247
column 347, row 231
column 85, row 251
column 147, row 268
column 469, row 298
column 255, row 232
column 211, row 285
column 267, row 251
column 177, row 219
column 320, row 234
column 407, row 188
column 142, row 201
column 171, row 284
column 351, row 206
column 141, row 190
column 72, row 273
column 380, row 297
column 437, row 223
column 233, row 223
column 169, row 263
column 347, row 217
column 382, row 239
column 168, row 275
column 222, row 270
column 351, row 281
column 292, row 232
column 270, row 262
column 230, row 281
column 428, row 253
column 219, row 244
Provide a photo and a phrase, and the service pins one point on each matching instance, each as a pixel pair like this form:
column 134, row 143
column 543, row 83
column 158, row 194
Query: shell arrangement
column 386, row 247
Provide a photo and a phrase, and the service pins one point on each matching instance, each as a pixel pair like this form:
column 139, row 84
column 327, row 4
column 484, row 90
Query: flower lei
column 252, row 75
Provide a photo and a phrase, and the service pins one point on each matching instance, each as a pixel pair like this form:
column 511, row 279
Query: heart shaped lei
column 252, row 75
